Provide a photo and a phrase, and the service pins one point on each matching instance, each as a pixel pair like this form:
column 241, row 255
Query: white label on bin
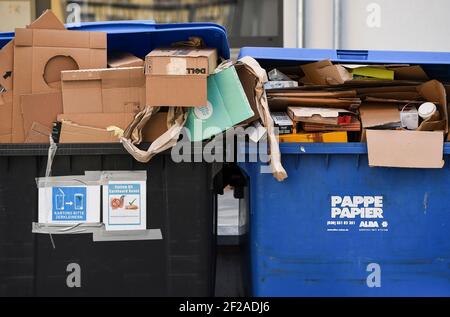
column 124, row 205
column 362, row 213
column 69, row 204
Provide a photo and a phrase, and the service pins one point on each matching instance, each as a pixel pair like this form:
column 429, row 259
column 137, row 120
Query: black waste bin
column 181, row 201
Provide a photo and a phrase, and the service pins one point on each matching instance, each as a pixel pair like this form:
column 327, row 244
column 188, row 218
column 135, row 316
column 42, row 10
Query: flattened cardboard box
column 39, row 57
column 99, row 120
column 124, row 59
column 5, row 116
column 40, row 108
column 74, row 133
column 47, row 20
column 177, row 77
column 109, row 90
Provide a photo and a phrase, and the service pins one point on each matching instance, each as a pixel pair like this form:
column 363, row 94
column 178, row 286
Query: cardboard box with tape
column 177, row 77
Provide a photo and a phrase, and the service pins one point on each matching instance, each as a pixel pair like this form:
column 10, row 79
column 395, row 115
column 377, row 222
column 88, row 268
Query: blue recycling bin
column 337, row 227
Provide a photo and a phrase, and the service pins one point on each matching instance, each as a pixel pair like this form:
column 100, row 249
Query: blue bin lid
column 141, row 36
column 436, row 64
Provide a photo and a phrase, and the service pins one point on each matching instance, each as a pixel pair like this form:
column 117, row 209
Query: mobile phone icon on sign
column 79, row 201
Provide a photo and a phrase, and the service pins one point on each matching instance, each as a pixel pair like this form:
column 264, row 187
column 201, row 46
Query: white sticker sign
column 69, row 204
column 361, row 213
column 124, row 205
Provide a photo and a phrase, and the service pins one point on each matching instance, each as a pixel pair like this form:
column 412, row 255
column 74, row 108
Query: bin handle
column 360, row 55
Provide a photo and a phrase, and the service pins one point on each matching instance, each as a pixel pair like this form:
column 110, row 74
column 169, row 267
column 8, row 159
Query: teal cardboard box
column 227, row 106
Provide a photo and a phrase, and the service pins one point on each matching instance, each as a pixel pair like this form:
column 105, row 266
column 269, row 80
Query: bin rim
column 345, row 56
column 320, row 148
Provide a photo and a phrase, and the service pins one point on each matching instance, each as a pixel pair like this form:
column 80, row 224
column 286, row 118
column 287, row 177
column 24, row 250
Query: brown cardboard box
column 99, row 120
column 422, row 148
column 46, row 21
column 5, row 116
column 124, row 59
column 41, row 54
column 177, row 77
column 74, row 133
column 414, row 149
column 108, row 90
column 40, row 108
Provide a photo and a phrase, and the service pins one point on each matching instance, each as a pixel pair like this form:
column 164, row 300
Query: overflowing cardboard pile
column 64, row 83
column 396, row 109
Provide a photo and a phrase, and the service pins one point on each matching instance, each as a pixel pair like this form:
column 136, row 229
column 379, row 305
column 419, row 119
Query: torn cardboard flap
column 5, row 116
column 47, row 20
column 40, row 108
column 379, row 115
column 155, row 127
column 249, row 82
column 414, row 72
column 74, row 133
column 334, row 75
column 412, row 149
column 124, row 59
column 108, row 90
column 325, row 73
column 98, row 120
column 38, row 133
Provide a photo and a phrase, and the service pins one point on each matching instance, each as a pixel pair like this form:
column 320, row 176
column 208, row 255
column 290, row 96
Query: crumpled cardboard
column 325, row 73
column 176, row 118
column 38, row 133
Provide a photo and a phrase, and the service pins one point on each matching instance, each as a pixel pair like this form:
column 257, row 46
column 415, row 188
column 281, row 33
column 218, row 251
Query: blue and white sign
column 69, row 203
